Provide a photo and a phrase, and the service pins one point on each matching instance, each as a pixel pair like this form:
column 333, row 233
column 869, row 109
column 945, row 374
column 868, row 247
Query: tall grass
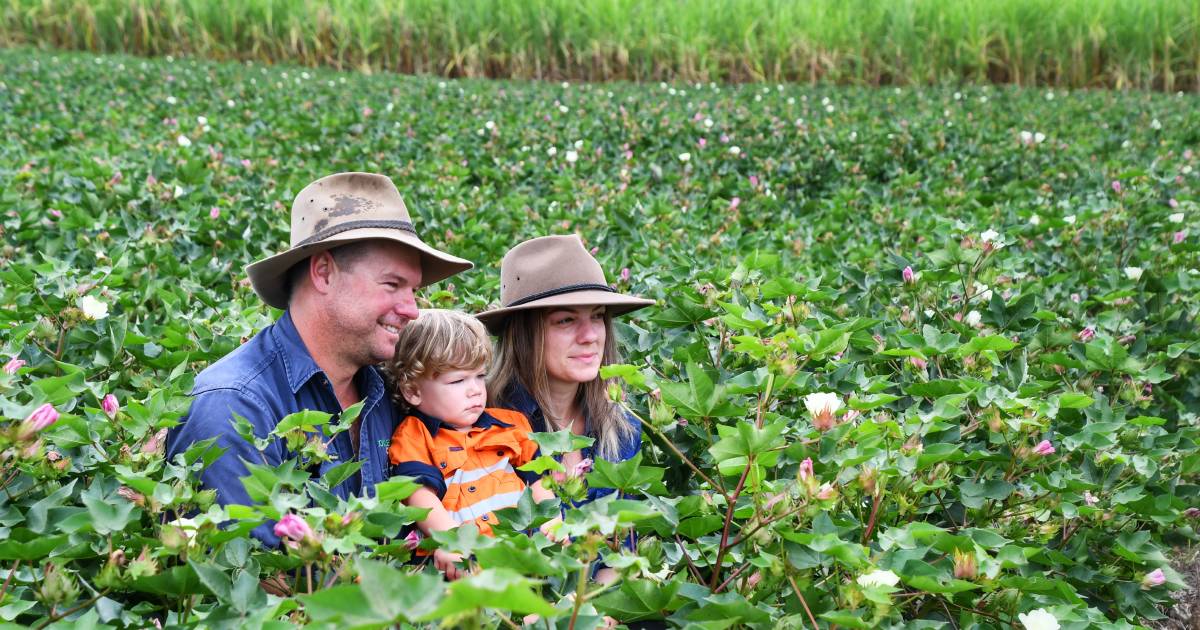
column 1150, row 44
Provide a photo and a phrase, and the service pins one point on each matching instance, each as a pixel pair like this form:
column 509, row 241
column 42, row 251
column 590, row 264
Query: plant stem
column 11, row 572
column 580, row 593
column 684, row 458
column 803, row 602
column 55, row 616
column 732, row 505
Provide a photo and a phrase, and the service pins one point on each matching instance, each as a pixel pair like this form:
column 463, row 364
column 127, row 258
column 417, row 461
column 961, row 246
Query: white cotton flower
column 973, row 318
column 1035, row 220
column 1039, row 137
column 552, row 151
column 201, row 120
column 820, row 403
column 1070, row 219
column 1038, row 619
column 183, row 141
column 229, row 103
column 1155, row 124
column 879, row 577
column 579, row 144
column 92, row 308
column 829, row 109
column 563, row 109
column 178, row 191
column 489, row 125
column 1176, row 217
column 572, row 156
column 735, row 150
column 1133, row 273
column 171, row 100
column 684, row 157
column 989, row 235
column 1026, row 137
column 708, row 123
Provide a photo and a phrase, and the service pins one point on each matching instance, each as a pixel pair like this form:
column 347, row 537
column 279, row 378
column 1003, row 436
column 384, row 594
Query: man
column 346, row 286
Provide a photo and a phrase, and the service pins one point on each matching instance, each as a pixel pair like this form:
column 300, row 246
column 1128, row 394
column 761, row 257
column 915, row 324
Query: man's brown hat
column 554, row 271
column 340, row 209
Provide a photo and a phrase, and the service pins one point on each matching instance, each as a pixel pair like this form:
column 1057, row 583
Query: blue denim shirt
column 268, row 377
column 520, row 399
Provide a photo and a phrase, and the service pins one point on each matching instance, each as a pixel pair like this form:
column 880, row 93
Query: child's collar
column 433, row 424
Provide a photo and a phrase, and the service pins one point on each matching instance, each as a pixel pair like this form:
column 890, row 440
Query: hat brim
column 268, row 276
column 617, row 304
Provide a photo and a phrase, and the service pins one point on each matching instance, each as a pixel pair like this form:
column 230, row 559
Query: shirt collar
column 300, row 367
column 433, row 424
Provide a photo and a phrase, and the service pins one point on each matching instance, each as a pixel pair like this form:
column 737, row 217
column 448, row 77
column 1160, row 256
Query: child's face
column 455, row 397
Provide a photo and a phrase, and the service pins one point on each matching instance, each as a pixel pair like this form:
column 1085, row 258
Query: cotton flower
column 826, row 492
column 806, row 469
column 92, row 308
column 41, row 418
column 1035, row 220
column 110, row 406
column 294, row 528
column 908, row 275
column 183, row 141
column 214, row 212
column 1133, row 273
column 1090, row 498
column 1039, row 137
column 583, row 467
column 1172, row 203
column 552, row 151
column 412, row 540
column 572, row 156
column 1069, row 219
column 1026, row 137
column 1044, row 448
column 734, row 203
column 1116, row 186
column 13, row 365
column 973, row 319
column 1179, row 237
column 1038, row 619
column 1154, row 578
column 988, row 235
column 823, row 406
column 1087, row 334
column 1176, row 217
column 878, row 577
column 735, row 150
column 685, row 156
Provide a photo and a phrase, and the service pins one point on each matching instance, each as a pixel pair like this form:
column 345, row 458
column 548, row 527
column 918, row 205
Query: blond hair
column 520, row 359
column 436, row 342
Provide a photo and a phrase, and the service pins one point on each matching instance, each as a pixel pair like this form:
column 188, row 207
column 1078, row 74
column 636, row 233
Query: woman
column 555, row 331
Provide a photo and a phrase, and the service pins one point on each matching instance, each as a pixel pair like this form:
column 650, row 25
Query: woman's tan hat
column 554, row 271
column 341, row 209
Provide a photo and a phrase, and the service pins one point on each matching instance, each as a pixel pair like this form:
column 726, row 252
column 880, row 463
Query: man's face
column 371, row 299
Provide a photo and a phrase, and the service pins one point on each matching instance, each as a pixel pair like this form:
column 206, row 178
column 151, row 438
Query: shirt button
column 443, row 464
column 471, row 489
column 485, row 517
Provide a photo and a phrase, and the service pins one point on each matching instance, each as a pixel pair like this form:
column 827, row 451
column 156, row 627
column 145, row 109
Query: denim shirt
column 268, row 377
column 519, row 398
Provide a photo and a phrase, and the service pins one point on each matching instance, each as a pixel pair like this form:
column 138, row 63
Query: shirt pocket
column 449, row 459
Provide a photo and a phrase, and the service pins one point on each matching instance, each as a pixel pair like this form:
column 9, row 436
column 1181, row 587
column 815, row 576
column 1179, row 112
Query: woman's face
column 573, row 346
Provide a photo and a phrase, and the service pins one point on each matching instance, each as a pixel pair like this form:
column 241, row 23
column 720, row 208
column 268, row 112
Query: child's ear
column 411, row 394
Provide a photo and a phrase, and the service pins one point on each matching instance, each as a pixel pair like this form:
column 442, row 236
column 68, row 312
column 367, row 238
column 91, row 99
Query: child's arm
column 541, row 493
column 438, row 520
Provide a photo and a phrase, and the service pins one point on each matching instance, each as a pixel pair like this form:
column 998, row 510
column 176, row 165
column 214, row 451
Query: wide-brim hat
column 554, row 271
column 341, row 209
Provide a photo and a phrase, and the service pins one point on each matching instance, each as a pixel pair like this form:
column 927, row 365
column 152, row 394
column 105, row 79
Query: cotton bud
column 866, row 478
column 41, row 418
column 110, row 406
column 912, row 445
column 1044, row 448
column 1192, row 512
column 58, row 586
column 412, row 540
column 1087, row 334
column 965, row 567
column 131, row 495
column 908, row 275
column 661, row 414
column 154, row 444
column 826, row 492
column 1154, row 578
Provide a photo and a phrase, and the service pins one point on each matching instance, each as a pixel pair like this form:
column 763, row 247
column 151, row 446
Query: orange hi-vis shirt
column 473, row 472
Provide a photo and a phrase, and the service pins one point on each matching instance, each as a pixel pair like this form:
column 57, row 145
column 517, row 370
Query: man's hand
column 447, row 563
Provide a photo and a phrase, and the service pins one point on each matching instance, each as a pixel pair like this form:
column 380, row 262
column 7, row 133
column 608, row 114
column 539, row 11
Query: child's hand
column 550, row 529
column 447, row 563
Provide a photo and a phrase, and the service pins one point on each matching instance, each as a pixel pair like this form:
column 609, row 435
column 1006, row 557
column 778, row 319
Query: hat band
column 406, row 226
column 570, row 288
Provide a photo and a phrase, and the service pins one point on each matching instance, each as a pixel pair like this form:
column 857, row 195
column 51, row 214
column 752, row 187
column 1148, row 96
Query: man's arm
column 211, row 415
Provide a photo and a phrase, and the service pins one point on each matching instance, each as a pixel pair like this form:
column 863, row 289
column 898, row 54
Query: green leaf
column 640, row 600
column 995, row 343
column 560, row 442
column 501, row 589
column 341, row 472
column 394, row 594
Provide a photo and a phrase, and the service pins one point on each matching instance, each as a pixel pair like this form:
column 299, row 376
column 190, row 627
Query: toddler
column 463, row 455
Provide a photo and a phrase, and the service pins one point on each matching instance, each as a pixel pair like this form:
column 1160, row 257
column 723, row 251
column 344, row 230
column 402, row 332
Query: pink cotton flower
column 245, row 163
column 806, row 469
column 701, row 143
column 1179, row 237
column 41, row 418
column 908, row 275
column 294, row 528
column 734, row 203
column 110, row 406
column 1172, row 203
column 214, row 212
column 1090, row 498
column 754, row 181
column 13, row 365
column 625, row 274
column 56, row 213
column 1154, row 578
column 918, row 362
column 412, row 540
column 1087, row 334
column 1192, row 512
column 1116, row 186
column 1044, row 448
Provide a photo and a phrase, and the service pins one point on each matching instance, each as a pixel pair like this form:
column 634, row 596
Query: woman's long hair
column 519, row 359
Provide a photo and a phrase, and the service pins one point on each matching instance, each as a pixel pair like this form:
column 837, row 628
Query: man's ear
column 321, row 268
